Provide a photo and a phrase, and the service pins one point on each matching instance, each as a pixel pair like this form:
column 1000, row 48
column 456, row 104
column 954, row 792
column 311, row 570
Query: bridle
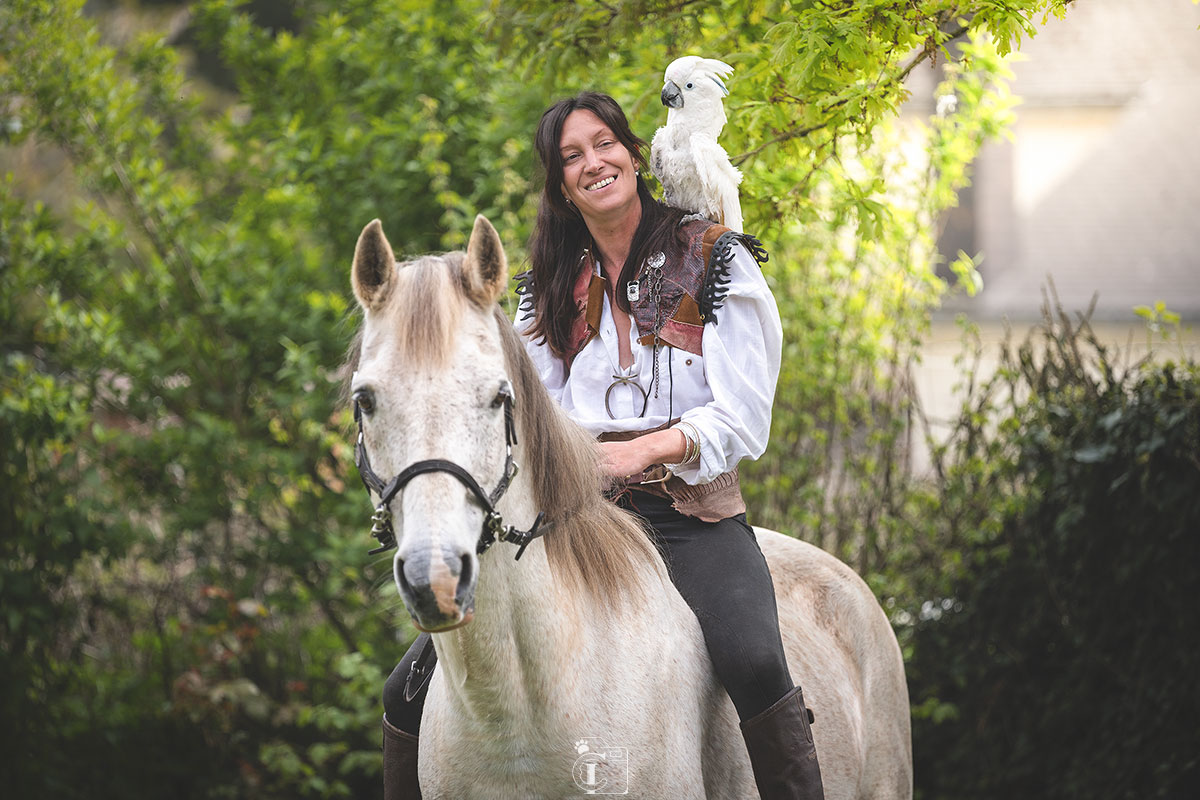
column 494, row 528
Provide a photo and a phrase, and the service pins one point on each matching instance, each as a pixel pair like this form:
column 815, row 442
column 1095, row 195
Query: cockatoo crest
column 694, row 169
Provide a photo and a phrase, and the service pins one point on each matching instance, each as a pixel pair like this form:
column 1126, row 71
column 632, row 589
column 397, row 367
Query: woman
column 620, row 312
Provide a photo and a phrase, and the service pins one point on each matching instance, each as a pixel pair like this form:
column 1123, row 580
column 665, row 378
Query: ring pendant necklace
column 654, row 275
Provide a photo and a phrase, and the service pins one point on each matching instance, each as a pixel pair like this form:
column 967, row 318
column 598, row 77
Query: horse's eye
column 365, row 400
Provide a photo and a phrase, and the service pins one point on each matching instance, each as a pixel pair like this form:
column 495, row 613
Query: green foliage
column 855, row 309
column 51, row 511
column 401, row 114
column 185, row 597
column 1053, row 656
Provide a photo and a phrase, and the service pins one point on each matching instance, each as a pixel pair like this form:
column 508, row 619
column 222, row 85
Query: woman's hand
column 630, row 459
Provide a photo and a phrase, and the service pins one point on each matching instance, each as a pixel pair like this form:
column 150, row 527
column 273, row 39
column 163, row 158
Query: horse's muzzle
column 438, row 586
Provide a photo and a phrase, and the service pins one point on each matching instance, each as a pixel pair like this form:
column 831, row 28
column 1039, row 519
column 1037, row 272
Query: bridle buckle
column 381, row 521
column 381, row 529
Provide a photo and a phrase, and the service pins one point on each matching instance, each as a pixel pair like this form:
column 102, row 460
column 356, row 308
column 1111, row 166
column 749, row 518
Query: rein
column 494, row 528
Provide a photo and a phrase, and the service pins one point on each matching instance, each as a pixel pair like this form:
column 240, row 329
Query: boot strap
column 421, row 670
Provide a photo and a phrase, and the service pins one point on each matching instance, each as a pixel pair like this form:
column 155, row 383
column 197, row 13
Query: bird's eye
column 364, row 399
column 689, row 86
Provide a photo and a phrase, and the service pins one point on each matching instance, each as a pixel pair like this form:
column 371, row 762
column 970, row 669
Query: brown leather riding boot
column 399, row 764
column 781, row 749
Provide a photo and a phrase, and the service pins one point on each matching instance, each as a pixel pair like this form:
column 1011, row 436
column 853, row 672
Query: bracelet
column 691, row 436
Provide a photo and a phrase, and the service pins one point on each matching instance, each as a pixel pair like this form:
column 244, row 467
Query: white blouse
column 726, row 394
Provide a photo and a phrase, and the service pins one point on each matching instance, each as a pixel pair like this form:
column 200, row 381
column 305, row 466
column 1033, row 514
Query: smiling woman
column 643, row 284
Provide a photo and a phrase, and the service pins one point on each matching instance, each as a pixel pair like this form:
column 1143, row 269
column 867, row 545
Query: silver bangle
column 691, row 436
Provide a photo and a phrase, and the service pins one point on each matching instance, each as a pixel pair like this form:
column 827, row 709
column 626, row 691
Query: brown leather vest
column 673, row 304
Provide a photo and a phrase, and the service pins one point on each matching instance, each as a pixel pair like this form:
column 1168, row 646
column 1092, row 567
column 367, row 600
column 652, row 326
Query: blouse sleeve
column 550, row 368
column 742, row 349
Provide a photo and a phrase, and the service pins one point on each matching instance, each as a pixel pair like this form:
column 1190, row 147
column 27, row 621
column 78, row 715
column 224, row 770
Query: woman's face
column 599, row 174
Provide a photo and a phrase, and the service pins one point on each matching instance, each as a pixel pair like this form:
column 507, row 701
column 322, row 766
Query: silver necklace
column 654, row 278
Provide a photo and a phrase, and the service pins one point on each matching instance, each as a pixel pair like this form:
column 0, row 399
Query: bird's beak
column 671, row 96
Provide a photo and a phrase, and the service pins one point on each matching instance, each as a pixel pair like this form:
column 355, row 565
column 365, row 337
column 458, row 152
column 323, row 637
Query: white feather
column 691, row 165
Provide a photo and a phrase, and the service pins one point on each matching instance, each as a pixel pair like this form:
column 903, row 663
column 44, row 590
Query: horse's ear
column 374, row 271
column 486, row 266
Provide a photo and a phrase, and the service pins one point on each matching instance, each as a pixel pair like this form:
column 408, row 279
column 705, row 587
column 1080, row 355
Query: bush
column 1055, row 657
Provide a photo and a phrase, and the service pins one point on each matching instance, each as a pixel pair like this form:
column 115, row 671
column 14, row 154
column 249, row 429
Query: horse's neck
column 506, row 659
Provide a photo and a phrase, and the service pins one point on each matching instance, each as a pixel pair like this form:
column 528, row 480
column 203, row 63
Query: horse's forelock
column 425, row 309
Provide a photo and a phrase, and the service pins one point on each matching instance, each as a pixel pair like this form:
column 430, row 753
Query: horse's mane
column 591, row 544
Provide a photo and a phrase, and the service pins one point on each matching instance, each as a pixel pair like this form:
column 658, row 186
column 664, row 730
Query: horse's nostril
column 466, row 576
column 402, row 579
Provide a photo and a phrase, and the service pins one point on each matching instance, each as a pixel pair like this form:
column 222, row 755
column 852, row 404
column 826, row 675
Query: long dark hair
column 560, row 235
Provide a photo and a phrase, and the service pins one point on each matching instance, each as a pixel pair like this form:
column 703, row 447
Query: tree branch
column 898, row 77
column 330, row 613
column 343, row 632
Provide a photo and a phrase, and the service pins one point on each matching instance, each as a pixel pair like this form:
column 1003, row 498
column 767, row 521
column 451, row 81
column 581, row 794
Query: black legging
column 721, row 573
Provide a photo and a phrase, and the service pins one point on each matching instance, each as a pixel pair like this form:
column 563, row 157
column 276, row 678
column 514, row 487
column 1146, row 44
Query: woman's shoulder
column 717, row 245
column 693, row 227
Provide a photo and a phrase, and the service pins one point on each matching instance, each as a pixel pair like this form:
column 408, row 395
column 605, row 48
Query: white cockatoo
column 692, row 167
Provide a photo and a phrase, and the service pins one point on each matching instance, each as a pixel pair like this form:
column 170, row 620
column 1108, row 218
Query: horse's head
column 429, row 387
